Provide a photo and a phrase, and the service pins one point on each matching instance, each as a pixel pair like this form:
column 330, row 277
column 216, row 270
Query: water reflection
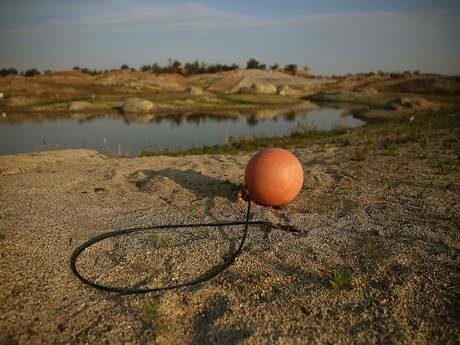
column 179, row 130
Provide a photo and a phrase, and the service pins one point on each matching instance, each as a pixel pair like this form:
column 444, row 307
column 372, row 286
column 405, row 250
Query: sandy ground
column 389, row 221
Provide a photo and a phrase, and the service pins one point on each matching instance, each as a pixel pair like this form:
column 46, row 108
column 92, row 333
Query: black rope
column 207, row 276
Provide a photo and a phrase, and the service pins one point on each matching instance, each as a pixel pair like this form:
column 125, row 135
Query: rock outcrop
column 80, row 105
column 264, row 88
column 194, row 90
column 410, row 102
column 285, row 90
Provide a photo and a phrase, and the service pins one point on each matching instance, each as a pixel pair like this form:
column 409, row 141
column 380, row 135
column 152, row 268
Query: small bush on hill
column 291, row 68
column 254, row 64
column 32, row 72
column 8, row 71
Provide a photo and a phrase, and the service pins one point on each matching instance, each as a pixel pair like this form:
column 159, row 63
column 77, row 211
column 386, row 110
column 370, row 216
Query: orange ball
column 273, row 177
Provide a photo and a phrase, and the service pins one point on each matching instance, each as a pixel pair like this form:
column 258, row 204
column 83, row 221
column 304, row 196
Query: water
column 172, row 132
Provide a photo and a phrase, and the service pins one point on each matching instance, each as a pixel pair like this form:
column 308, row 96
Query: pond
column 133, row 134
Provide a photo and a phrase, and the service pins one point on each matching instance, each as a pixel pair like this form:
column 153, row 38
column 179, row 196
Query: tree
column 124, row 67
column 252, row 64
column 8, row 71
column 274, row 66
column 173, row 67
column 194, row 68
column 146, row 68
column 232, row 67
column 76, row 68
column 155, row 68
column 291, row 68
column 32, row 72
column 203, row 67
column 306, row 69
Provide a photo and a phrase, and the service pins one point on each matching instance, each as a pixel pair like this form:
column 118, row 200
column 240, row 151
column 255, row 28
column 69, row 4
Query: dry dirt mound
column 353, row 82
column 402, row 107
column 234, row 81
column 224, row 84
column 360, row 95
column 136, row 105
column 80, row 105
column 140, row 80
column 432, row 85
column 19, row 101
column 275, row 77
column 410, row 102
column 68, row 74
column 368, row 91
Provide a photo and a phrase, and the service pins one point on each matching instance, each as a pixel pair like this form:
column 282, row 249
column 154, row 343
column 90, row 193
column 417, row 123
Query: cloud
column 198, row 17
column 188, row 17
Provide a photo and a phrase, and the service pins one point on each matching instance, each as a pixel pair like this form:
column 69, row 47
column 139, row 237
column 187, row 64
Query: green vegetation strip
column 385, row 135
column 295, row 139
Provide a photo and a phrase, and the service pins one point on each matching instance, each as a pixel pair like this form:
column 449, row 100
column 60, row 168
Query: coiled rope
column 206, row 277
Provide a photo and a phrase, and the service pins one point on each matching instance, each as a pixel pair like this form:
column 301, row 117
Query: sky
column 328, row 36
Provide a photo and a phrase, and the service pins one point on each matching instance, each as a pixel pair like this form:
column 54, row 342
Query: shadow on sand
column 203, row 186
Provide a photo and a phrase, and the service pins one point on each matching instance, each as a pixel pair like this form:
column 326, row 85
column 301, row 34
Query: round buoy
column 273, row 177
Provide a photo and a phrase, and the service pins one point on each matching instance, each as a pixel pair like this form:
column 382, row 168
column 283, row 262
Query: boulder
column 285, row 90
column 246, row 90
column 194, row 90
column 264, row 88
column 80, row 105
column 136, row 105
column 410, row 102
